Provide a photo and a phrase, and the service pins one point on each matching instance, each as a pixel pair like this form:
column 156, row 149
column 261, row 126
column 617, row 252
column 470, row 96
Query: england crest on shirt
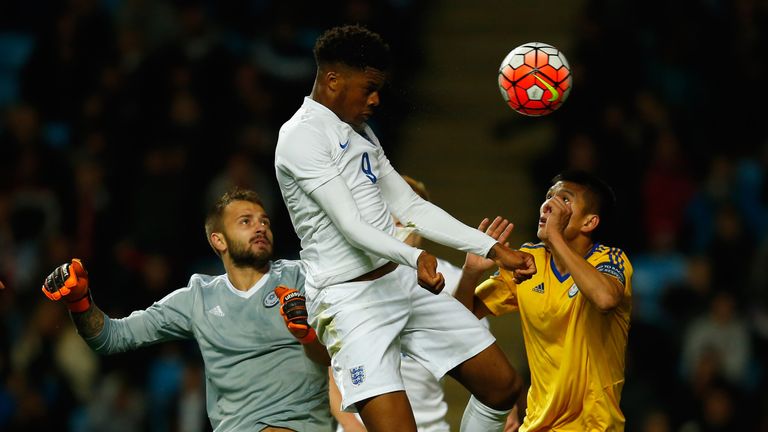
column 357, row 374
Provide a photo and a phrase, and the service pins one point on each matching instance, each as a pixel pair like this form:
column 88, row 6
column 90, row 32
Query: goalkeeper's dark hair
column 600, row 198
column 354, row 46
column 213, row 218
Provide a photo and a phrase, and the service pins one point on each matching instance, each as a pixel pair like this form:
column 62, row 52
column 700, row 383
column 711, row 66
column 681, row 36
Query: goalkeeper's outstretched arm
column 165, row 320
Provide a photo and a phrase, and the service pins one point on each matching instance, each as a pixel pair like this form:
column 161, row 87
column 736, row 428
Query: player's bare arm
column 603, row 291
column 317, row 353
column 89, row 323
column 465, row 291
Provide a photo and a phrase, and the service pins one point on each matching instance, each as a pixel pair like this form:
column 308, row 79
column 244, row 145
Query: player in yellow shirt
column 574, row 311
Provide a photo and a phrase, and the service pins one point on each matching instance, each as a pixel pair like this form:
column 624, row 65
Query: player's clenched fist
column 69, row 282
column 519, row 262
column 428, row 276
column 293, row 308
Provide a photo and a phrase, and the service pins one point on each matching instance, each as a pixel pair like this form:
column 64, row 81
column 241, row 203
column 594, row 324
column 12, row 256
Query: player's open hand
column 429, row 278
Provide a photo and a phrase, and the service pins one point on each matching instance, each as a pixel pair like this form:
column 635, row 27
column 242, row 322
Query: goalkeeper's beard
column 242, row 256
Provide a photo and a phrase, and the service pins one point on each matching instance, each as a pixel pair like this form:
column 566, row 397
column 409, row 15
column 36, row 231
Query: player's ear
column 590, row 223
column 218, row 242
column 332, row 80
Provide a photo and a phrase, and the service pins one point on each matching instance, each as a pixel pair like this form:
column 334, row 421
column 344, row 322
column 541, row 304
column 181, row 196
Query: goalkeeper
column 250, row 324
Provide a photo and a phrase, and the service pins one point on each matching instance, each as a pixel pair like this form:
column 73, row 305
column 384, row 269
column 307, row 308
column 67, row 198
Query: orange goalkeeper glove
column 70, row 283
column 293, row 308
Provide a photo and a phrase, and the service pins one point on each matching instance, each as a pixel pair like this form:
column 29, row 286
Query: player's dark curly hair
column 601, row 199
column 352, row 45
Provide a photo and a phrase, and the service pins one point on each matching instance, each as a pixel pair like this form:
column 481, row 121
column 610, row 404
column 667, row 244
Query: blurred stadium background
column 122, row 120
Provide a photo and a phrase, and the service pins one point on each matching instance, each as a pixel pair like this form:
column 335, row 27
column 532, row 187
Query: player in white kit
column 424, row 391
column 363, row 300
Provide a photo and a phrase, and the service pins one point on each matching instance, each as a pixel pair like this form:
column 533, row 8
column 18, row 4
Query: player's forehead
column 374, row 74
column 368, row 76
column 566, row 188
column 240, row 208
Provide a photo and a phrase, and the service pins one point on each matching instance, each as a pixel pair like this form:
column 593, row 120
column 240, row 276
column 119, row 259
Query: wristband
column 82, row 305
column 309, row 338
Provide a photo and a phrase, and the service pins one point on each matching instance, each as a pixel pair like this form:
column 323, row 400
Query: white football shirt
column 313, row 147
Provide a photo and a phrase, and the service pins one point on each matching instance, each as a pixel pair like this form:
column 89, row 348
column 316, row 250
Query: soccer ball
column 535, row 79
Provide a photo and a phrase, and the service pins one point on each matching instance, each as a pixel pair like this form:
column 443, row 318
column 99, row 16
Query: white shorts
column 366, row 325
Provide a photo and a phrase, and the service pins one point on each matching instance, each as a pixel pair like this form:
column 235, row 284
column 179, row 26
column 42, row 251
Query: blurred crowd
column 123, row 120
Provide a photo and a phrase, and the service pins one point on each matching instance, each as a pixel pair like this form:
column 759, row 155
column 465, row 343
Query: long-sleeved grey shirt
column 257, row 374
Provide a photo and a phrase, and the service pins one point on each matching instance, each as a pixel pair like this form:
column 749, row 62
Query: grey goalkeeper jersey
column 256, row 373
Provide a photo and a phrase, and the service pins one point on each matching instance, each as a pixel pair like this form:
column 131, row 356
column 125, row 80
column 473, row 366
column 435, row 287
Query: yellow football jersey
column 575, row 352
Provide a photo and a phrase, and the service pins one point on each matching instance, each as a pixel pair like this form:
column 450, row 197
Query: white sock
column 480, row 418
